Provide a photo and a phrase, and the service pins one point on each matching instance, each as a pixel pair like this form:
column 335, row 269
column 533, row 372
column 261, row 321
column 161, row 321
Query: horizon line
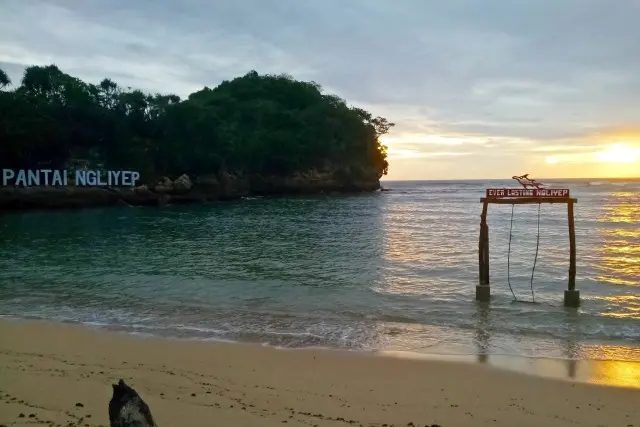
column 510, row 179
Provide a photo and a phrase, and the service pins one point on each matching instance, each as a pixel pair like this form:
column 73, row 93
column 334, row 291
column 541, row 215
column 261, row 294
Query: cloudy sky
column 477, row 88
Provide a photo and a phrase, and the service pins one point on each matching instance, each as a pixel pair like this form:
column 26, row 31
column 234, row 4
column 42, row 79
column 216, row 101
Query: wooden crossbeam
column 527, row 200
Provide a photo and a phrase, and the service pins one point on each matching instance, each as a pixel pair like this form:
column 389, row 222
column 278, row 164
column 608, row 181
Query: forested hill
column 256, row 124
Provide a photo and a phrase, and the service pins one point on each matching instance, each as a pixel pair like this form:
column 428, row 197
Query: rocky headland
column 182, row 189
column 253, row 135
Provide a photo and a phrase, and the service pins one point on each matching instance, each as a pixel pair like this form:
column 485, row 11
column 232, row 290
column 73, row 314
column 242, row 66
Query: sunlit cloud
column 615, row 153
column 446, row 154
column 619, row 153
column 450, row 140
column 552, row 160
column 563, row 148
column 399, row 153
column 433, row 140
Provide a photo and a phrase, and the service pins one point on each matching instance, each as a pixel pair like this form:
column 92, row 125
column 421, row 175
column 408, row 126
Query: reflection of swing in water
column 535, row 260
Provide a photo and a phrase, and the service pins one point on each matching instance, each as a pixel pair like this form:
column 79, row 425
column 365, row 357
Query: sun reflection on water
column 619, row 254
column 631, row 304
column 612, row 373
column 609, row 372
column 603, row 372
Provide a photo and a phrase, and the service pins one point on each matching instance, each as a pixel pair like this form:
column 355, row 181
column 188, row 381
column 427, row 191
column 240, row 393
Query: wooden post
column 481, row 246
column 572, row 248
column 481, row 256
column 482, row 253
column 485, row 254
column 571, row 295
column 483, row 289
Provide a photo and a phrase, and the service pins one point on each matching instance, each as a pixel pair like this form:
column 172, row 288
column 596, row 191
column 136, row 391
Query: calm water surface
column 387, row 271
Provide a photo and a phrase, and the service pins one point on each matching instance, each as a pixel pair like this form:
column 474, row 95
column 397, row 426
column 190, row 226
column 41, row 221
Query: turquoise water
column 387, row 271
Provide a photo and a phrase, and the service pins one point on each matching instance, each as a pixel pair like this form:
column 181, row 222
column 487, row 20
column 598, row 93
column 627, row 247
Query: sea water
column 392, row 271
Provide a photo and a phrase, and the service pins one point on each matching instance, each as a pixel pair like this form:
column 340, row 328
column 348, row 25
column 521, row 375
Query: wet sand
column 61, row 374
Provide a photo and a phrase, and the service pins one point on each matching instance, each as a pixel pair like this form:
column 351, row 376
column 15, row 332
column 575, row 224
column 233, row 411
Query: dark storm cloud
column 537, row 70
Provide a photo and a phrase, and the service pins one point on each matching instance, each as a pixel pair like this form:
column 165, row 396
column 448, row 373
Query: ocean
column 390, row 271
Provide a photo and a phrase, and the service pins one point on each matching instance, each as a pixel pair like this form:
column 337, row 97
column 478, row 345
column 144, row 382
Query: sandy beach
column 61, row 374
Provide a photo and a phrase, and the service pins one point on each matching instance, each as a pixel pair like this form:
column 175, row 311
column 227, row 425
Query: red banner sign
column 496, row 193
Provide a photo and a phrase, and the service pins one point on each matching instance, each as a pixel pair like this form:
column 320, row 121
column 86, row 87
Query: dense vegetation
column 254, row 124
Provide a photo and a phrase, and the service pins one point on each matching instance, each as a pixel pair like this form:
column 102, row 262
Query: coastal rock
column 208, row 181
column 202, row 189
column 233, row 186
column 182, row 184
column 207, row 186
column 165, row 185
column 142, row 190
column 164, row 200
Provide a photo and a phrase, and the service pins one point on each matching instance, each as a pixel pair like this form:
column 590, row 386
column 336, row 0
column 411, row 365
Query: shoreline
column 61, row 373
column 582, row 370
column 552, row 367
column 180, row 191
column 587, row 371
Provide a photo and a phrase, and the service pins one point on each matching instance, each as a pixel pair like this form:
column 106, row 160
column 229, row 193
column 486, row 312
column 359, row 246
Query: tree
column 4, row 79
column 253, row 124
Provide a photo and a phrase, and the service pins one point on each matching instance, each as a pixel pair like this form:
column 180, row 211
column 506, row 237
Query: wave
column 435, row 340
column 342, row 329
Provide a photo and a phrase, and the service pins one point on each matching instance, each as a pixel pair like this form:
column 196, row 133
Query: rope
column 509, row 256
column 535, row 260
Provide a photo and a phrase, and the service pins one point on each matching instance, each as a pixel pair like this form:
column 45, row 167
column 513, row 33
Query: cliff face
column 183, row 190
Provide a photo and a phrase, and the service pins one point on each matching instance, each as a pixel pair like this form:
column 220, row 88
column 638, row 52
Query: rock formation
column 183, row 189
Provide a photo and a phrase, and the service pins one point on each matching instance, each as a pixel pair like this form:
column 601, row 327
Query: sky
column 476, row 88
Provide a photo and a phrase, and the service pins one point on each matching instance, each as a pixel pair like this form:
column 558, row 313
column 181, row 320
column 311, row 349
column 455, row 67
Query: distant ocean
column 395, row 270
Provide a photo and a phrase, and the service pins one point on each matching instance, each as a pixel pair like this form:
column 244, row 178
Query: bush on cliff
column 254, row 124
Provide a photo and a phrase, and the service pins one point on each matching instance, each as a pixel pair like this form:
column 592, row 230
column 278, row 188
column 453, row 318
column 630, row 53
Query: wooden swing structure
column 523, row 196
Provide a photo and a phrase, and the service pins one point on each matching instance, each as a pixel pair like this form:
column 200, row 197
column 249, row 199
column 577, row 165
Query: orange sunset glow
column 609, row 155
